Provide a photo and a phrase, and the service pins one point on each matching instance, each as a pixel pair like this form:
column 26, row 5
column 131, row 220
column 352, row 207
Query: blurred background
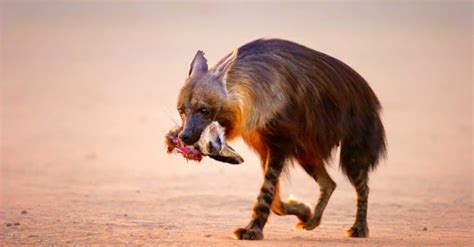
column 89, row 88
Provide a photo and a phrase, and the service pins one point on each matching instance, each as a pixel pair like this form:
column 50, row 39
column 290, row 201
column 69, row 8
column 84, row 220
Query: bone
column 212, row 143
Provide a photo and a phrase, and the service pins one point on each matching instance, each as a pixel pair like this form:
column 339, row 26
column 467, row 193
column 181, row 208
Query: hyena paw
column 312, row 223
column 358, row 231
column 301, row 210
column 248, row 234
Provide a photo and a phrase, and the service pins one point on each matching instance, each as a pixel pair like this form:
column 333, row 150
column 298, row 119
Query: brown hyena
column 288, row 102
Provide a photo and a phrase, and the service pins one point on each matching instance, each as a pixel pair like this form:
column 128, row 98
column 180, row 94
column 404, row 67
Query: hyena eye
column 204, row 110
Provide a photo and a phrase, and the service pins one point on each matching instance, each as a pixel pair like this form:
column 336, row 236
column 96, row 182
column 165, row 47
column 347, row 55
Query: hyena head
column 202, row 96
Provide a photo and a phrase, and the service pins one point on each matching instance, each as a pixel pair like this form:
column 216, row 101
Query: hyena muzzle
column 288, row 103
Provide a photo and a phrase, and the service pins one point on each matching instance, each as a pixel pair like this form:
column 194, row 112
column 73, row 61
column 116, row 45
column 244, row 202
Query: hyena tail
column 363, row 145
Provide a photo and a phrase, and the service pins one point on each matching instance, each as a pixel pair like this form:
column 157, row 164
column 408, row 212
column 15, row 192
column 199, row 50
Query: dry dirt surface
column 89, row 90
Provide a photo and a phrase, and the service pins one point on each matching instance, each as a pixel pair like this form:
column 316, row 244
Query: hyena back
column 289, row 102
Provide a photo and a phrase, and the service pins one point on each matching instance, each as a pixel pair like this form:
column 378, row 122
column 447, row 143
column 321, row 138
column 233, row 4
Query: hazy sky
column 104, row 76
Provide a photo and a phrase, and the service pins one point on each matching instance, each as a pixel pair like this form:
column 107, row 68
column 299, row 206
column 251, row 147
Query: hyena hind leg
column 290, row 207
column 359, row 179
column 358, row 157
column 326, row 188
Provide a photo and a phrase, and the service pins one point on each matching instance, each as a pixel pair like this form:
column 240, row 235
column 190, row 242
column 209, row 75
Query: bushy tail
column 364, row 146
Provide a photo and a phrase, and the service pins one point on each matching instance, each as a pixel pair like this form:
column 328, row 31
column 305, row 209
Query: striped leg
column 359, row 180
column 290, row 207
column 261, row 210
column 326, row 187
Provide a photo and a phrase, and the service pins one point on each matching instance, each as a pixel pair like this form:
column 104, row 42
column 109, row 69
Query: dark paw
column 248, row 234
column 358, row 231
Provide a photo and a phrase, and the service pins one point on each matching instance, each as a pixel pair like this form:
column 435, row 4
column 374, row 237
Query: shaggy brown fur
column 289, row 102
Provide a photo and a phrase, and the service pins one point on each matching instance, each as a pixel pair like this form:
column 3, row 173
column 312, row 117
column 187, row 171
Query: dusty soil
column 88, row 92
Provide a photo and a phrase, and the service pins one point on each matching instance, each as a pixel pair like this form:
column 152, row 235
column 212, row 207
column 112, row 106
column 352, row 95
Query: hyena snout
column 184, row 136
column 193, row 129
column 189, row 136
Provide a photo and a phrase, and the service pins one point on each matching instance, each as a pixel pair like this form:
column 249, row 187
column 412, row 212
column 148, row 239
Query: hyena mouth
column 211, row 143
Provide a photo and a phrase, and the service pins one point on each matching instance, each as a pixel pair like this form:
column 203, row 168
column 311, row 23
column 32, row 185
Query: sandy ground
column 88, row 91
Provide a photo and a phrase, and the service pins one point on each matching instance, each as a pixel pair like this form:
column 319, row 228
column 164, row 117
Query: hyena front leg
column 326, row 188
column 290, row 207
column 261, row 210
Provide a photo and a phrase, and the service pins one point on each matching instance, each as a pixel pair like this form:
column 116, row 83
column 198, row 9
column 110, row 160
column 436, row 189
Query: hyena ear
column 221, row 69
column 198, row 65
